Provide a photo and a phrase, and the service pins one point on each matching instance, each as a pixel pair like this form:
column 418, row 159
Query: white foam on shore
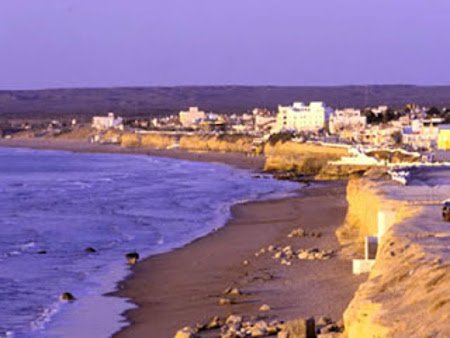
column 93, row 314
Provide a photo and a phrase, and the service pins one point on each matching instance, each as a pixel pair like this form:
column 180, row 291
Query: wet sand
column 182, row 287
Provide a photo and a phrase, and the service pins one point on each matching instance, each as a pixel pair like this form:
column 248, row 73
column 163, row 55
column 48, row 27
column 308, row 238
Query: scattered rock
column 90, row 250
column 264, row 308
column 299, row 232
column 315, row 234
column 278, row 255
column 259, row 329
column 271, row 248
column 245, row 263
column 67, row 296
column 186, row 332
column 299, row 328
column 224, row 301
column 235, row 292
column 323, row 320
column 214, row 323
column 314, row 254
column 303, row 255
column 132, row 257
column 200, row 327
column 285, row 262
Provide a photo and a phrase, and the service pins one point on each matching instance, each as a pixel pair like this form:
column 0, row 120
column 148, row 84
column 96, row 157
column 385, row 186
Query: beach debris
column 41, row 252
column 245, row 263
column 67, row 296
column 298, row 328
column 132, row 257
column 264, row 308
column 186, row 332
column 90, row 250
column 224, row 301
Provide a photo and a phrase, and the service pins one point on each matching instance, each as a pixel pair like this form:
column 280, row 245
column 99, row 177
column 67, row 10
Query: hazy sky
column 67, row 43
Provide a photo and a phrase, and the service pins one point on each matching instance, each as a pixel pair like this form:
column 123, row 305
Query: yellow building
column 444, row 139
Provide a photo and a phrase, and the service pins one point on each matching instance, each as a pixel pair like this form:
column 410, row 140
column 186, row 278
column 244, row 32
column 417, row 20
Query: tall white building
column 346, row 119
column 107, row 122
column 300, row 117
column 191, row 117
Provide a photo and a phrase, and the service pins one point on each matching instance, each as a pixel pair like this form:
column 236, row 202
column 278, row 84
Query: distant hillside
column 144, row 101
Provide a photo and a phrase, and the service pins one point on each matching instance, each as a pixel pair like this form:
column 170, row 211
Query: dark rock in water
column 132, row 257
column 42, row 252
column 90, row 250
column 67, row 296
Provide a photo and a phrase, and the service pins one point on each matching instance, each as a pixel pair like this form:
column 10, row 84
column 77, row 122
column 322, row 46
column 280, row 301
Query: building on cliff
column 346, row 120
column 191, row 117
column 300, row 117
column 107, row 122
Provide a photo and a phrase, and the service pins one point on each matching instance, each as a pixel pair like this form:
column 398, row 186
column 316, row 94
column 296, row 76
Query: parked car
column 446, row 211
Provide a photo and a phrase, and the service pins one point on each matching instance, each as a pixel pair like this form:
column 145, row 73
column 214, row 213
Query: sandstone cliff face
column 407, row 293
column 300, row 158
column 221, row 143
column 156, row 140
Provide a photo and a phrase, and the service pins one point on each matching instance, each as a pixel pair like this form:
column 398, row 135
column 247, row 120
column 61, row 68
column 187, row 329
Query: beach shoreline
column 238, row 160
column 189, row 283
column 261, row 223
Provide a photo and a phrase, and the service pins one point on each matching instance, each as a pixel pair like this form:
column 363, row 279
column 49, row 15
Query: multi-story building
column 346, row 120
column 107, row 122
column 300, row 117
column 191, row 117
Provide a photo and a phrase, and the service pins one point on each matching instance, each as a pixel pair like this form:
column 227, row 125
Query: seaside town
column 425, row 130
column 225, row 169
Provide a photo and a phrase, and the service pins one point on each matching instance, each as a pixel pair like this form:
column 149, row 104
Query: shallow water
column 55, row 204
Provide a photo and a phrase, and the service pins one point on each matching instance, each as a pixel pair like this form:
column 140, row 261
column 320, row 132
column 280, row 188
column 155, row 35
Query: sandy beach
column 182, row 287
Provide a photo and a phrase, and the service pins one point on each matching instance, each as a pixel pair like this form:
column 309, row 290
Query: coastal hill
column 144, row 101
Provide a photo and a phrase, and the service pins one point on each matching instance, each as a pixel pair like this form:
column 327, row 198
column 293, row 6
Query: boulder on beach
column 186, row 332
column 264, row 308
column 299, row 328
column 90, row 250
column 132, row 257
column 67, row 296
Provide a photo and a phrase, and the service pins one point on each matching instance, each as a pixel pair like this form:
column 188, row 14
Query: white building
column 346, row 119
column 191, row 117
column 107, row 122
column 300, row 117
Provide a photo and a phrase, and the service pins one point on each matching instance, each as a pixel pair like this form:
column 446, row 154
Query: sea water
column 55, row 204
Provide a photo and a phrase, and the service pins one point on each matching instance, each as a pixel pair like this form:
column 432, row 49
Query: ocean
column 55, row 204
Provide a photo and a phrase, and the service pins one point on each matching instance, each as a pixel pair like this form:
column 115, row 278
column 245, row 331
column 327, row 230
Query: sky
column 108, row 43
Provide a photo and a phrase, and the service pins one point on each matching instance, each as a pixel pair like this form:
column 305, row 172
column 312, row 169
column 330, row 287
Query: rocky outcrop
column 406, row 294
column 300, row 158
column 222, row 143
